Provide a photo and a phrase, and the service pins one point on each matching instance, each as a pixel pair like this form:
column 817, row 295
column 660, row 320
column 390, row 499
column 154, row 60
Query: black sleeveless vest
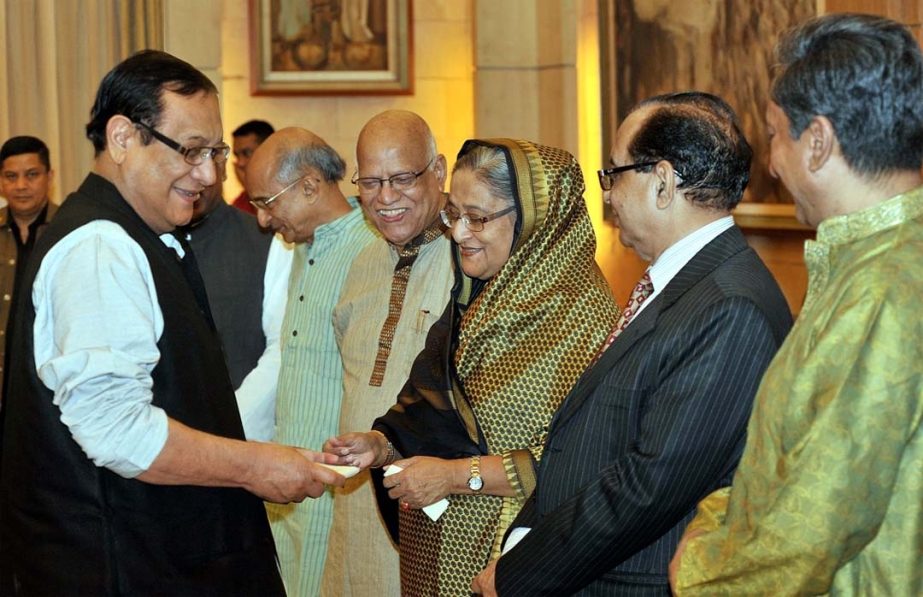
column 70, row 527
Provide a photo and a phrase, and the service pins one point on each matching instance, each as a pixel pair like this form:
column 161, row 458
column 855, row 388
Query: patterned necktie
column 643, row 289
column 406, row 257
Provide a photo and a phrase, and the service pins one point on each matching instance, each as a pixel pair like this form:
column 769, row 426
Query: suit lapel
column 719, row 250
column 592, row 377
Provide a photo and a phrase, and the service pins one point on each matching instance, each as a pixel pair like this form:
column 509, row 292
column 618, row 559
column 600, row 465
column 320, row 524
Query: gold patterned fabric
column 828, row 497
column 522, row 343
column 407, row 255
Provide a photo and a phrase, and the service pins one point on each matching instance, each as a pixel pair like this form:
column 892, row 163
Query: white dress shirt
column 675, row 258
column 97, row 323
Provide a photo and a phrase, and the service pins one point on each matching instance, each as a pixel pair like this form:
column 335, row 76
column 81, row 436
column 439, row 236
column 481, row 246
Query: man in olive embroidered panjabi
column 395, row 290
column 828, row 497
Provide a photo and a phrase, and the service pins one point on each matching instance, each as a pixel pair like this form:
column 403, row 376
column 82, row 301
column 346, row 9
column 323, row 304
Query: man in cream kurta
column 828, row 497
column 381, row 323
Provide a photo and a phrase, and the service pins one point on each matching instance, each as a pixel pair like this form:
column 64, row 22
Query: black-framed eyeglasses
column 607, row 176
column 265, row 202
column 402, row 181
column 194, row 156
column 473, row 223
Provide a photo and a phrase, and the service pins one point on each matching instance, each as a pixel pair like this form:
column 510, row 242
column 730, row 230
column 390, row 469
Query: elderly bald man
column 396, row 290
column 293, row 180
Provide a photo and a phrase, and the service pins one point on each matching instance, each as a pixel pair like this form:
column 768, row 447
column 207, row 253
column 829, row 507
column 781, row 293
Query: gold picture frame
column 331, row 47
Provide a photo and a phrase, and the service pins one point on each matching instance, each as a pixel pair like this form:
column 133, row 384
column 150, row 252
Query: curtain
column 56, row 53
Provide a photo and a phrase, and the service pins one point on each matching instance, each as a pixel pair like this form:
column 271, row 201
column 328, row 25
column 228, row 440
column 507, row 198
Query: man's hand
column 483, row 583
column 284, row 474
column 273, row 472
column 678, row 555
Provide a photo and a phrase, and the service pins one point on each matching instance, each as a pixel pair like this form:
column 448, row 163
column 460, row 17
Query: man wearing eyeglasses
column 659, row 420
column 396, row 290
column 293, row 181
column 124, row 467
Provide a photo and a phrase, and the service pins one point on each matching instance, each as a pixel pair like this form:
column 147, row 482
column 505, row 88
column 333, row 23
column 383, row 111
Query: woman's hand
column 424, row 481
column 358, row 448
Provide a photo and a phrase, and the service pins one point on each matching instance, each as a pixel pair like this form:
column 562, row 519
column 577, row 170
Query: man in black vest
column 124, row 467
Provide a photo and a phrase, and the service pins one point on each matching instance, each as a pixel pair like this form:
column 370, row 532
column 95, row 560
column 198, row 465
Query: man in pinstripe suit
column 659, row 421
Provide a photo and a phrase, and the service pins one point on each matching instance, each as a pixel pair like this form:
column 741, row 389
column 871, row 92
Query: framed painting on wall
column 330, row 47
column 720, row 47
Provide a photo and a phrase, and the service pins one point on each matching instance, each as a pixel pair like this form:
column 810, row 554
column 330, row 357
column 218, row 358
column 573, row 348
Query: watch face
column 475, row 483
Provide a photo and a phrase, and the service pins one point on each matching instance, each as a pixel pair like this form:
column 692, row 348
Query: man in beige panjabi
column 395, row 290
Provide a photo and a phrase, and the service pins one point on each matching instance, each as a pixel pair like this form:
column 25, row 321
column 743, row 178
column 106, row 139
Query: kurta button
column 295, row 332
column 6, row 297
column 301, row 298
column 12, row 262
column 310, row 262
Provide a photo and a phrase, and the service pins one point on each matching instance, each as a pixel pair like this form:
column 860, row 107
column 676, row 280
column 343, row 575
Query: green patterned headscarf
column 539, row 322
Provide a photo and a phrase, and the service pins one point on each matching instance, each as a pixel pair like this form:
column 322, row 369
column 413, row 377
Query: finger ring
column 405, row 506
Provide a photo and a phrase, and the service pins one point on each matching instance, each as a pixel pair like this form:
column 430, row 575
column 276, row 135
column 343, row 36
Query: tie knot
column 644, row 288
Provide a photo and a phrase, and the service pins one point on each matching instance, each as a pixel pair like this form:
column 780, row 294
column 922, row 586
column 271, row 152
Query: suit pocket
column 604, row 427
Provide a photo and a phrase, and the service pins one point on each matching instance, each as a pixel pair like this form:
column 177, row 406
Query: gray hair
column 489, row 166
column 320, row 156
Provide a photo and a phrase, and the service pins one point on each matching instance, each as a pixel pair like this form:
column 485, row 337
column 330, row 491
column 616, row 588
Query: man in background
column 827, row 498
column 293, row 179
column 246, row 271
column 397, row 288
column 659, row 420
column 124, row 465
column 25, row 178
column 244, row 141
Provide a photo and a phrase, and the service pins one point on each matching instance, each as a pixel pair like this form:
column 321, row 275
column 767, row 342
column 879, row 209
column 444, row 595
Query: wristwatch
column 475, row 482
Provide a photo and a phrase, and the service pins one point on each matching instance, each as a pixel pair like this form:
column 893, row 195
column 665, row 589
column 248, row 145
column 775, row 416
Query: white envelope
column 341, row 469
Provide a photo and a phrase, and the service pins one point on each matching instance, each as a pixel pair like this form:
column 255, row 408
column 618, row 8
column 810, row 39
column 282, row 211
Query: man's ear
column 665, row 181
column 822, row 140
column 120, row 134
column 441, row 170
column 310, row 189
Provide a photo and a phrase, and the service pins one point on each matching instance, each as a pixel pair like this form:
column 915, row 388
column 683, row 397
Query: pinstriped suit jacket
column 655, row 425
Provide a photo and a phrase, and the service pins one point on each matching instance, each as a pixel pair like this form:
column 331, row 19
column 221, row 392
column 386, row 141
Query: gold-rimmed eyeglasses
column 474, row 223
column 265, row 202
